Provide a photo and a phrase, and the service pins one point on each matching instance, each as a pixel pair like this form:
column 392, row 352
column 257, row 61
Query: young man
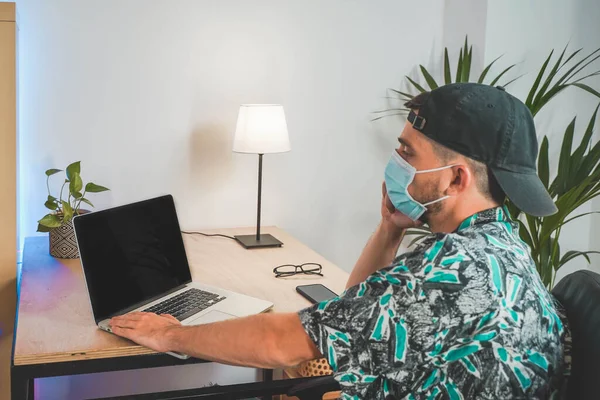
column 464, row 315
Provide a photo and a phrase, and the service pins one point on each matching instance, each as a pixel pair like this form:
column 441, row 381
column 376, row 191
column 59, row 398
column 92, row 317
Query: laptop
column 133, row 259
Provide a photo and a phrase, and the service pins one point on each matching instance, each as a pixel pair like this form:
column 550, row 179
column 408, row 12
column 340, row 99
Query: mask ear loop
column 436, row 201
column 434, row 170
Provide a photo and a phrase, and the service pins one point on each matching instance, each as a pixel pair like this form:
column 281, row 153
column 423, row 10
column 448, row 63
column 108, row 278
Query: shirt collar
column 497, row 214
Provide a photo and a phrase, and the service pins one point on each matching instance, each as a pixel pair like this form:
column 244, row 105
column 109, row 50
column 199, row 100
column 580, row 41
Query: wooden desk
column 56, row 335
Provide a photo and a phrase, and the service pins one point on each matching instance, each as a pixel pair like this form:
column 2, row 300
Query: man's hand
column 393, row 221
column 147, row 329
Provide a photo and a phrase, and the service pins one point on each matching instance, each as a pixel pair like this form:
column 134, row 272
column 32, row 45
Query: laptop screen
column 131, row 254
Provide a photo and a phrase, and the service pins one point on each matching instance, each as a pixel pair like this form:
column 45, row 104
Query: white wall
column 146, row 94
column 525, row 32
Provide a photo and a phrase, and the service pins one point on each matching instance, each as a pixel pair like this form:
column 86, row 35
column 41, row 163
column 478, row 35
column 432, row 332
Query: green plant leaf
column 578, row 216
column 570, row 74
column 570, row 57
column 524, row 234
column 459, row 67
column 428, row 78
column 513, row 210
column 42, row 228
column 466, row 70
column 543, row 164
column 545, row 267
column 587, row 89
column 486, row 70
column 536, row 83
column 416, row 85
column 564, row 158
column 512, row 80
column 501, row 75
column 51, row 205
column 533, row 230
column 404, row 112
column 93, row 188
column 53, row 171
column 87, row 202
column 569, row 255
column 550, row 77
column 73, row 168
column 587, row 76
column 407, row 95
column 465, row 63
column 582, row 164
column 555, row 256
column 50, row 221
column 386, row 110
column 566, row 204
column 447, row 72
column 67, row 211
column 556, row 89
column 75, row 184
column 588, row 163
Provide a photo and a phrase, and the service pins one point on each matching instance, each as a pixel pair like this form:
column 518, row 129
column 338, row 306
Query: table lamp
column 261, row 129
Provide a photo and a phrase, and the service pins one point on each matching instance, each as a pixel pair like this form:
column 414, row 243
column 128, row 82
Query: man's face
column 418, row 151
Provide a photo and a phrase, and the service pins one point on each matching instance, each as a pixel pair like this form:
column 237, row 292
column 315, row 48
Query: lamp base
column 250, row 242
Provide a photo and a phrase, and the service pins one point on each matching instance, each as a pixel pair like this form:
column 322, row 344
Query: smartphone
column 315, row 293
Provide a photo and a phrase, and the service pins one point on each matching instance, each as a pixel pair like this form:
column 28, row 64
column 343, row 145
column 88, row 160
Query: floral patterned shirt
column 463, row 316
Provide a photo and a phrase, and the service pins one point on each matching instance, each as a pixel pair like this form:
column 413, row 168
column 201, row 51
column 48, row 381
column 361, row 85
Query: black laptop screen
column 131, row 254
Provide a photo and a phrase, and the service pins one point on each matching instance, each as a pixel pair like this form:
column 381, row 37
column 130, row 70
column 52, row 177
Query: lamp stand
column 259, row 240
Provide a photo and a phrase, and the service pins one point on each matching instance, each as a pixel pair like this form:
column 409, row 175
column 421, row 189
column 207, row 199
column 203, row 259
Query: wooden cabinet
column 8, row 188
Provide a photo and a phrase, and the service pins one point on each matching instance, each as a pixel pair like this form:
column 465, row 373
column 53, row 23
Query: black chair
column 314, row 389
column 579, row 293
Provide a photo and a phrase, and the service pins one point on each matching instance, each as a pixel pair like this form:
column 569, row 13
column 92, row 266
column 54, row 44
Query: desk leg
column 21, row 387
column 267, row 377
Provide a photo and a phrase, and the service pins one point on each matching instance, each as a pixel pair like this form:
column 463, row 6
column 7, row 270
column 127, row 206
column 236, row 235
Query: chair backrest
column 579, row 293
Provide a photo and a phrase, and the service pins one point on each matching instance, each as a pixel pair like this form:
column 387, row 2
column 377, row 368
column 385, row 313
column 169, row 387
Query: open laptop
column 133, row 259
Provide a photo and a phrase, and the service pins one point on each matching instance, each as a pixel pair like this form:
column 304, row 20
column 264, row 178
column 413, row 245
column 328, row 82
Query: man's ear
column 461, row 180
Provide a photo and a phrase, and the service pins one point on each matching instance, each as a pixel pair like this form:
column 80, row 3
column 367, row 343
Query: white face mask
column 399, row 174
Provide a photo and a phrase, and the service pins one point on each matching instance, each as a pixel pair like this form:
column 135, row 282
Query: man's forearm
column 261, row 341
column 379, row 252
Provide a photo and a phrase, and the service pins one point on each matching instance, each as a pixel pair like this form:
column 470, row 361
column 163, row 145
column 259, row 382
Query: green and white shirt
column 464, row 316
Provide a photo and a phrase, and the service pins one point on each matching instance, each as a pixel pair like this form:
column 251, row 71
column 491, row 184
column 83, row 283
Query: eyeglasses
column 290, row 269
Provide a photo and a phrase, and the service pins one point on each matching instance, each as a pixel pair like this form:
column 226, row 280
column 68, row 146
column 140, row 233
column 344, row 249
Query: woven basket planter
column 62, row 240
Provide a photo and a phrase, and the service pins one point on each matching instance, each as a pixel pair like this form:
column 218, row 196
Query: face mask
column 399, row 174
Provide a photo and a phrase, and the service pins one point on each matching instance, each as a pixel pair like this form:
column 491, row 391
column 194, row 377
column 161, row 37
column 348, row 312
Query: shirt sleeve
column 396, row 327
column 364, row 329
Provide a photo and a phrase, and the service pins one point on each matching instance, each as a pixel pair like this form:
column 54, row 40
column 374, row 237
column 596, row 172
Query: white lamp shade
column 261, row 129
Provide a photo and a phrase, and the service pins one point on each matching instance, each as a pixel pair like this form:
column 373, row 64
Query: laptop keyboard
column 186, row 304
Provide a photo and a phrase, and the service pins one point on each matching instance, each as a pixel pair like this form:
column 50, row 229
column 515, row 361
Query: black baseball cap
column 489, row 125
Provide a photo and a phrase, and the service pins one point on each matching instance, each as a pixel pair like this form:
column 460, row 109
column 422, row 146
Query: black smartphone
column 315, row 293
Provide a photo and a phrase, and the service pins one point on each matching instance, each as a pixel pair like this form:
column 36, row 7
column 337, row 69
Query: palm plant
column 577, row 179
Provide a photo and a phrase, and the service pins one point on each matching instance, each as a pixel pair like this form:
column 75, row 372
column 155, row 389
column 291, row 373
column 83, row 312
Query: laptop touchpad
column 212, row 316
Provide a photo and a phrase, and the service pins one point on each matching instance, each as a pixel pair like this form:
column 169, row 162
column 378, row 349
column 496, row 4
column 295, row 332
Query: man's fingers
column 134, row 316
column 138, row 314
column 170, row 317
column 124, row 332
column 125, row 324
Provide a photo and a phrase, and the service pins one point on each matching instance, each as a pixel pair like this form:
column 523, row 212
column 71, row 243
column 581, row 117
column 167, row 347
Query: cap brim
column 527, row 191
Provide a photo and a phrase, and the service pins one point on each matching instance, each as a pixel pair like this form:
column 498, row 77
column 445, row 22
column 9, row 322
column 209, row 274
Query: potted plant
column 59, row 222
column 577, row 178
